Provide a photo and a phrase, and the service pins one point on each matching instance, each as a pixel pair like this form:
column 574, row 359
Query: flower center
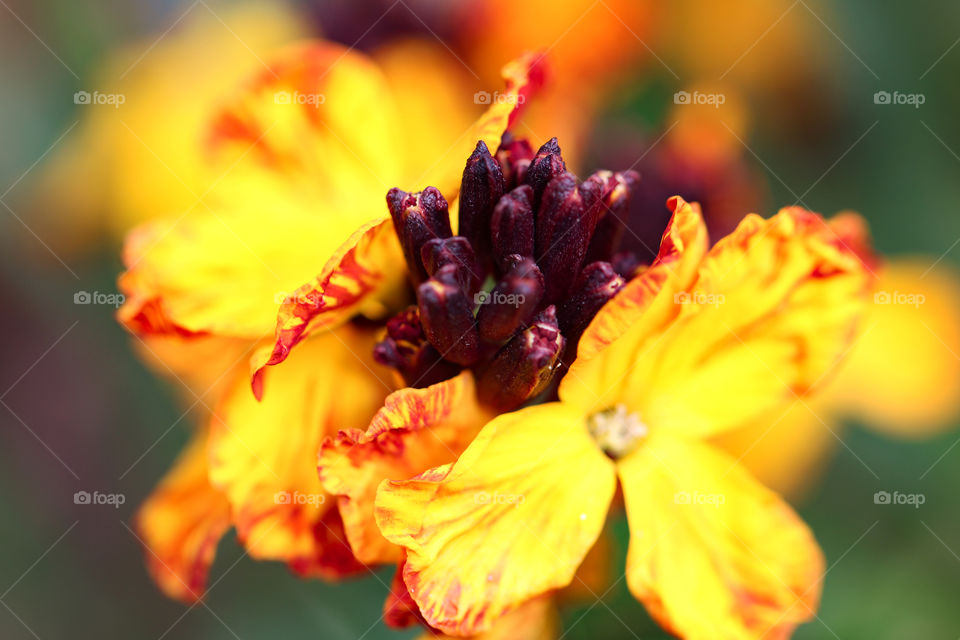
column 616, row 430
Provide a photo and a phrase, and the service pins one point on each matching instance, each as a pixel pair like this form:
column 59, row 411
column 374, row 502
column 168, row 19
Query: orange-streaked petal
column 648, row 298
column 773, row 309
column 536, row 619
column 263, row 454
column 181, row 523
column 713, row 553
column 510, row 520
column 363, row 273
column 416, row 429
column 903, row 375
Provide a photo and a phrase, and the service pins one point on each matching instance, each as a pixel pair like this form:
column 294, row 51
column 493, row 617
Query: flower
column 309, row 142
column 696, row 345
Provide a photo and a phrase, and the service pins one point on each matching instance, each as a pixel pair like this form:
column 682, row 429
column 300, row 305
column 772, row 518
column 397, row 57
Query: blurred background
column 746, row 105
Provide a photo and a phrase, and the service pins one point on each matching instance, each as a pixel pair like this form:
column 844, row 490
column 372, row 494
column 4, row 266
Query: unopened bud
column 511, row 228
column 613, row 212
column 439, row 252
column 545, row 166
column 524, row 366
column 417, row 218
column 447, row 317
column 512, row 302
column 597, row 283
column 480, row 189
column 627, row 264
column 406, row 349
column 514, row 156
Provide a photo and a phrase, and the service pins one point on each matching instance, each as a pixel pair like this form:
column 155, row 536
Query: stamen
column 616, row 430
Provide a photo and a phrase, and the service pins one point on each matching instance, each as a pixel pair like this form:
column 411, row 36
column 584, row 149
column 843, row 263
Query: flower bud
column 611, row 222
column 524, row 366
column 596, row 284
column 512, row 302
column 417, row 218
column 514, row 156
column 439, row 252
column 480, row 189
column 564, row 225
column 447, row 317
column 627, row 264
column 406, row 349
column 511, row 228
column 545, row 166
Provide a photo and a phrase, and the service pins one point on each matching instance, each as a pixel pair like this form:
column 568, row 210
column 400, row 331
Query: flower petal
column 360, row 274
column 536, row 619
column 181, row 523
column 263, row 454
column 510, row 520
column 714, row 554
column 772, row 311
column 415, row 430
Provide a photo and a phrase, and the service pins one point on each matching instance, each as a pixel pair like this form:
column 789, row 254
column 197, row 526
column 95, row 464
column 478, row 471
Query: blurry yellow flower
column 698, row 344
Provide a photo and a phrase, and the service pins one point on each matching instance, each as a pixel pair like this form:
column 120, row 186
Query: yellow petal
column 534, row 620
column 416, row 429
column 263, row 454
column 714, row 554
column 510, row 520
column 772, row 311
column 361, row 273
column 903, row 375
column 181, row 524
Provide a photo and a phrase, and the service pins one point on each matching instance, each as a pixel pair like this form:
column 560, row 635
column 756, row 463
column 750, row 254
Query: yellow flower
column 312, row 144
column 697, row 345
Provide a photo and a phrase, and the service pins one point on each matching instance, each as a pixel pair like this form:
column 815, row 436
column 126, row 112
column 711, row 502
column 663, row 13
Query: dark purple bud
column 545, row 166
column 512, row 302
column 480, row 189
column 446, row 313
column 514, row 156
column 524, row 366
column 597, row 283
column 565, row 223
column 627, row 264
column 511, row 228
column 439, row 252
column 613, row 213
column 406, row 349
column 417, row 218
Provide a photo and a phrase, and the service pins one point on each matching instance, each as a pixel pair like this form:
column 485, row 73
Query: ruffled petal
column 536, row 619
column 181, row 523
column 510, row 520
column 263, row 454
column 714, row 554
column 416, row 429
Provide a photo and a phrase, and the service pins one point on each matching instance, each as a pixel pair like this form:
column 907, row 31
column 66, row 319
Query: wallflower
column 696, row 345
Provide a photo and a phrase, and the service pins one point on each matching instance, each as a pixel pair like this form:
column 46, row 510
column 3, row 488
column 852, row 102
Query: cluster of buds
column 509, row 296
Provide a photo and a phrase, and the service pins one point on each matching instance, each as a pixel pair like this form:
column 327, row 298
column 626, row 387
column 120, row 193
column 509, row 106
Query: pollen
column 616, row 430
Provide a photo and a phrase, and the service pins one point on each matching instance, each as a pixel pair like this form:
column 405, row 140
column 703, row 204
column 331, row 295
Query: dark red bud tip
column 613, row 213
column 627, row 264
column 545, row 166
column 524, row 366
column 596, row 285
column 447, row 317
column 417, row 218
column 480, row 189
column 511, row 228
column 439, row 252
column 564, row 226
column 406, row 349
column 512, row 302
column 514, row 156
